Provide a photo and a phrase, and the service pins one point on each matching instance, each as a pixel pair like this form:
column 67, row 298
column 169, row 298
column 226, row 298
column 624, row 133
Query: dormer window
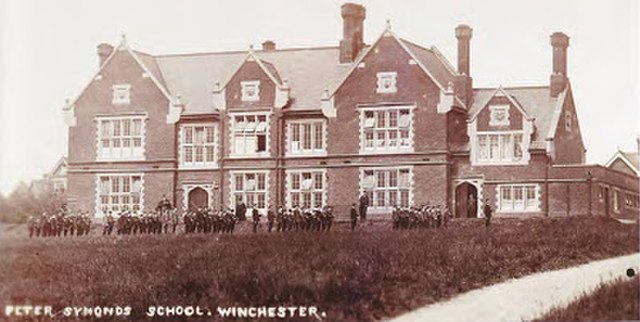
column 250, row 91
column 121, row 94
column 387, row 82
column 499, row 115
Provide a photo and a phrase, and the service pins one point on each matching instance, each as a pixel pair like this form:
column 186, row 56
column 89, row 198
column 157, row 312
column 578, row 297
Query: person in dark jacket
column 271, row 218
column 488, row 212
column 241, row 209
column 256, row 218
column 364, row 204
column 354, row 216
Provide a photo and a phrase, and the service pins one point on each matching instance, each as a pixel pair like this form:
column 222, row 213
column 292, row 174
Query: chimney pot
column 104, row 51
column 559, row 39
column 268, row 45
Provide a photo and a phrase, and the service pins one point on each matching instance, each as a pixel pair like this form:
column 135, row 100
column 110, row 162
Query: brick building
column 55, row 181
column 323, row 125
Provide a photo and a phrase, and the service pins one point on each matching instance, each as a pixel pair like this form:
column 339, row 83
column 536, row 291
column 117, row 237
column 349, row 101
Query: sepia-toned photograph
column 321, row 160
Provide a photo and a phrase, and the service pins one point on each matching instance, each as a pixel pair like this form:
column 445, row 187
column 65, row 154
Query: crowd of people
column 59, row 224
column 421, row 217
column 166, row 219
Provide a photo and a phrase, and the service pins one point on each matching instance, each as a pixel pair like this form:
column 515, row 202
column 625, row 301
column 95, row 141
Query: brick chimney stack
column 104, row 51
column 559, row 43
column 268, row 45
column 463, row 86
column 353, row 16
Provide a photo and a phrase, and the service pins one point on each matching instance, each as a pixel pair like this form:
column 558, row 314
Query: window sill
column 198, row 166
column 500, row 163
column 517, row 211
column 394, row 151
column 141, row 158
column 307, row 154
column 249, row 156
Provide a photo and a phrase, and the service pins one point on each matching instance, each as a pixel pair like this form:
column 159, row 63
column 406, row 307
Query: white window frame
column 245, row 86
column 303, row 188
column 506, row 148
column 380, row 182
column 380, row 134
column 248, row 130
column 114, row 144
column 297, row 136
column 496, row 110
column 251, row 191
column 121, row 188
column 121, row 94
column 189, row 147
column 383, row 78
column 518, row 198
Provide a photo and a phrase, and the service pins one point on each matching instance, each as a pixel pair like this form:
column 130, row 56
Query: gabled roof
column 558, row 111
column 428, row 61
column 308, row 71
column 434, row 61
column 61, row 164
column 146, row 62
column 536, row 101
column 629, row 158
column 477, row 108
column 266, row 67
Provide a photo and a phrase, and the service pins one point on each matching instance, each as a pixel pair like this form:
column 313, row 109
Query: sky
column 48, row 54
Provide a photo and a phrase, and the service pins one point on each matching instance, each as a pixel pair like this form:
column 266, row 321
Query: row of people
column 59, row 224
column 208, row 220
column 132, row 222
column 426, row 216
column 296, row 218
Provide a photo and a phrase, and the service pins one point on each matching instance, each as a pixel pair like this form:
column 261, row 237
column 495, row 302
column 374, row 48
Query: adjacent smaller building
column 55, row 181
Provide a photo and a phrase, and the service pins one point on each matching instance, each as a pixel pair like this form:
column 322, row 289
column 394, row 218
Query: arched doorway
column 466, row 201
column 198, row 198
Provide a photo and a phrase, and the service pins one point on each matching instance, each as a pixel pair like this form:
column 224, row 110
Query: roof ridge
column 228, row 52
column 513, row 87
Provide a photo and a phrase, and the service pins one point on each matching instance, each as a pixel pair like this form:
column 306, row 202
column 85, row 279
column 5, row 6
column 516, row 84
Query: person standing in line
column 354, row 217
column 488, row 212
column 364, row 204
column 256, row 218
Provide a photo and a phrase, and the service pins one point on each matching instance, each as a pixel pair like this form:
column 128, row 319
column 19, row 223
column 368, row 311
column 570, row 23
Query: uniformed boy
column 354, row 216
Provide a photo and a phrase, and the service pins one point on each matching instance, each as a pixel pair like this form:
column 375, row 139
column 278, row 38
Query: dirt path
column 528, row 297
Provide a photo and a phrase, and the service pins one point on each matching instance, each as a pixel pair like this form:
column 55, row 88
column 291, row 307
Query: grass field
column 617, row 301
column 363, row 275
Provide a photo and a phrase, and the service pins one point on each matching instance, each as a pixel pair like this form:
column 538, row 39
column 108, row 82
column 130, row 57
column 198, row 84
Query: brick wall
column 515, row 117
column 159, row 141
column 413, row 87
column 569, row 148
